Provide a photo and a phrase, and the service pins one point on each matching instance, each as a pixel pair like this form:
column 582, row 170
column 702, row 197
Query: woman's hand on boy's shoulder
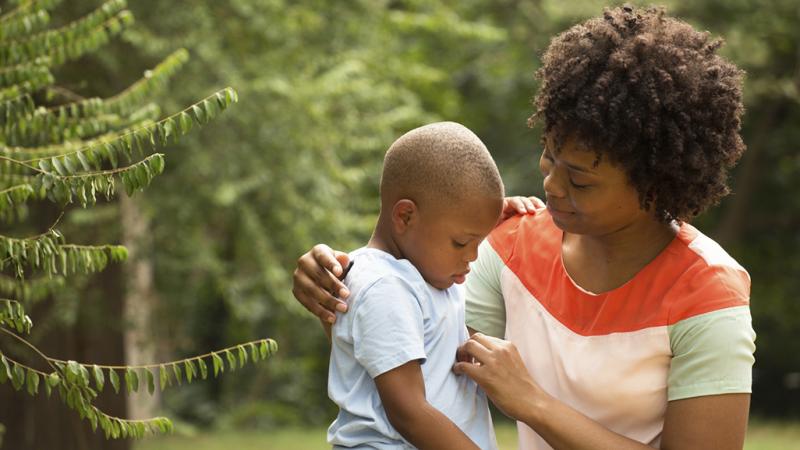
column 520, row 205
column 316, row 284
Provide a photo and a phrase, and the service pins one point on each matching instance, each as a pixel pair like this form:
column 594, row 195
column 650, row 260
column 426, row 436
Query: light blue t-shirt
column 395, row 317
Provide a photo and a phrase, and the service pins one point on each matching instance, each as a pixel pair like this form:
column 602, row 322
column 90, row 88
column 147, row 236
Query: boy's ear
column 404, row 215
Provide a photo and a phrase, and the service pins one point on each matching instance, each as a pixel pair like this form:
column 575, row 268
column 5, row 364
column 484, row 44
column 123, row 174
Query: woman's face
column 587, row 196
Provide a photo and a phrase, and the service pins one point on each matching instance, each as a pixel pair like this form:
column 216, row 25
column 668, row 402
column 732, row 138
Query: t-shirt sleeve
column 387, row 326
column 712, row 354
column 485, row 308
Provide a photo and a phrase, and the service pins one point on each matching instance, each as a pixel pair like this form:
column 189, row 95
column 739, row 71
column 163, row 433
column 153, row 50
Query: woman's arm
column 402, row 392
column 717, row 421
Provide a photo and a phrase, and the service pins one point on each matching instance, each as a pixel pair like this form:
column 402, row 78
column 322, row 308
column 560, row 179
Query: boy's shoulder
column 372, row 267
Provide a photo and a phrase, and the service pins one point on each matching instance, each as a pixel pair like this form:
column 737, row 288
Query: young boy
column 392, row 353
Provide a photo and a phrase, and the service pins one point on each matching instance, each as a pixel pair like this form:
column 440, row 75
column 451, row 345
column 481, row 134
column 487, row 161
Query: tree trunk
column 139, row 300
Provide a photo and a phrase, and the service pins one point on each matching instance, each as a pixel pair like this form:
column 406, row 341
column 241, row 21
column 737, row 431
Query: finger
column 309, row 292
column 469, row 369
column 475, row 350
column 313, row 306
column 321, row 277
column 519, row 205
column 488, row 342
column 537, row 202
column 511, row 207
column 529, row 205
column 323, row 314
column 326, row 257
column 462, row 355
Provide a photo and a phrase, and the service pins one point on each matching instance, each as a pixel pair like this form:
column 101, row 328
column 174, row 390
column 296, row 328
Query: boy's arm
column 402, row 392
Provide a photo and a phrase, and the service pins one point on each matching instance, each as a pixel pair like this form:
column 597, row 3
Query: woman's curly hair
column 650, row 93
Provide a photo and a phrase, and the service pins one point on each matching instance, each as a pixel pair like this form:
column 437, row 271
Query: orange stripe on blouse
column 653, row 298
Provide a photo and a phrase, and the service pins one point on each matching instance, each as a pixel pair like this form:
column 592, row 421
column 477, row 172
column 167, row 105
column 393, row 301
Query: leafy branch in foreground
column 72, row 153
column 78, row 384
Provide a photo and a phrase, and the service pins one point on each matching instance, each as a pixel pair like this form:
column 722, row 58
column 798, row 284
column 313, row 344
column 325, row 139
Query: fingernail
column 331, row 319
column 343, row 293
column 341, row 307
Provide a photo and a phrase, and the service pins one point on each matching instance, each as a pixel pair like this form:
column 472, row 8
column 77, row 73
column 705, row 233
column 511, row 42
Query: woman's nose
column 553, row 186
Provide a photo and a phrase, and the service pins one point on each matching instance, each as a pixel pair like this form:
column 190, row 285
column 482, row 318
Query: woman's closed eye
column 578, row 186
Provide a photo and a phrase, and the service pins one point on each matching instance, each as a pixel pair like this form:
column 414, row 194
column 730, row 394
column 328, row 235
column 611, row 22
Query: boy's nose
column 471, row 255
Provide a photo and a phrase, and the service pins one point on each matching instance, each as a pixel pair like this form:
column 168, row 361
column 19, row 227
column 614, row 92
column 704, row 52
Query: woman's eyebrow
column 579, row 168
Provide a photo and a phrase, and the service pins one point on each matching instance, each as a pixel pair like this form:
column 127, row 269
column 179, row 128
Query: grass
column 760, row 436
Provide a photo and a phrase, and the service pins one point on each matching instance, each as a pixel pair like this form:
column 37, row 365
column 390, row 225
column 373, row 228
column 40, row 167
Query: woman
column 625, row 326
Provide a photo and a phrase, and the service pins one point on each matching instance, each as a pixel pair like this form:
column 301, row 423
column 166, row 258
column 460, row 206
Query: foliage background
column 325, row 87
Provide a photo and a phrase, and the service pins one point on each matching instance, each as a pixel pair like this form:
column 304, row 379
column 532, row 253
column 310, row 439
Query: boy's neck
column 382, row 238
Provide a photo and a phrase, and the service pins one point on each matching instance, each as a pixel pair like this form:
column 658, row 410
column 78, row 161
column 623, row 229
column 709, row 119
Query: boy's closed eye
column 458, row 244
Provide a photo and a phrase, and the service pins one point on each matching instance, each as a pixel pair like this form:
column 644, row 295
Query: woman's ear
column 404, row 215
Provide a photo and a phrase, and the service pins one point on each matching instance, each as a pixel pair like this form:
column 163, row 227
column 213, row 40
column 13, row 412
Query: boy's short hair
column 441, row 164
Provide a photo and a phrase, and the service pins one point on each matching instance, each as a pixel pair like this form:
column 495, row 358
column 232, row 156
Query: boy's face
column 441, row 243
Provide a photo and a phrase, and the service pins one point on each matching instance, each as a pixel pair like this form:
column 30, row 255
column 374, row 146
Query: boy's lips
column 461, row 277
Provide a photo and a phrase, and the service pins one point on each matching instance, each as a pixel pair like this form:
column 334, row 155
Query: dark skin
column 440, row 243
column 607, row 239
column 402, row 392
column 316, row 283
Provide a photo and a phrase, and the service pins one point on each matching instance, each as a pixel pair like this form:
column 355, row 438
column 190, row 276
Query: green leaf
column 163, row 377
column 242, row 356
column 231, row 359
column 84, row 161
column 32, row 382
column 185, row 122
column 131, row 380
column 5, row 369
column 151, row 384
column 216, row 361
column 114, row 379
column 177, row 370
column 99, row 379
column 50, row 382
column 60, row 169
column 203, row 368
column 73, row 372
column 253, row 352
column 45, row 166
column 264, row 349
column 69, row 165
column 189, row 370
column 18, row 377
column 199, row 115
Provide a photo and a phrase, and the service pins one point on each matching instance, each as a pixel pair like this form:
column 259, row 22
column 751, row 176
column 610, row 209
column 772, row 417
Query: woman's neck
column 602, row 263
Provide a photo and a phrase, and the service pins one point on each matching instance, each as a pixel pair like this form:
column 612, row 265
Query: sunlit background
column 324, row 87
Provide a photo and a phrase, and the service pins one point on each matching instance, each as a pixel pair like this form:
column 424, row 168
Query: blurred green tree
column 328, row 86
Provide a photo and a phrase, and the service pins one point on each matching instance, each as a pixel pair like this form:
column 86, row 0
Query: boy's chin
column 442, row 284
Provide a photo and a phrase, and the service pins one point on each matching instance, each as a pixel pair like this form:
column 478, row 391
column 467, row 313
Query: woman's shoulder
column 707, row 277
column 533, row 234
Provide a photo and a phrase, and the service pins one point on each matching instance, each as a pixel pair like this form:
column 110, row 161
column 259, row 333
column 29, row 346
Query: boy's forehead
column 470, row 214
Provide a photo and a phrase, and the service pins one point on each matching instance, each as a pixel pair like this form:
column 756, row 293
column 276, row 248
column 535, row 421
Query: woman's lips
column 557, row 213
